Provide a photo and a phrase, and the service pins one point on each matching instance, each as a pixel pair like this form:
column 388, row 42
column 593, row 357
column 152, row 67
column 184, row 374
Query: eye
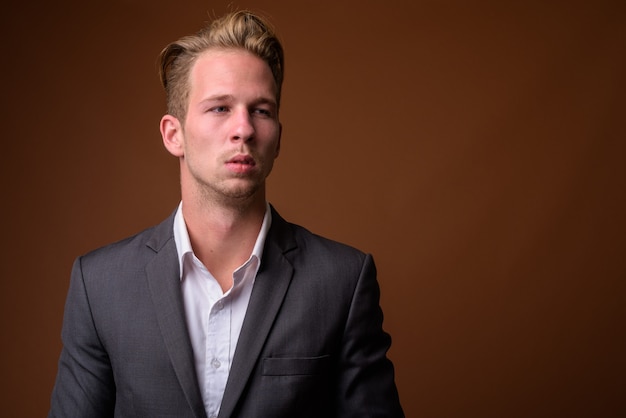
column 218, row 109
column 264, row 112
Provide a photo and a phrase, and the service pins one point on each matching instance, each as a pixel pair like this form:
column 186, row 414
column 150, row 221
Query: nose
column 243, row 129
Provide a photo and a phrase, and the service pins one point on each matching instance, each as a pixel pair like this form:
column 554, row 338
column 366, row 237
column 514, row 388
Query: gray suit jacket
column 311, row 345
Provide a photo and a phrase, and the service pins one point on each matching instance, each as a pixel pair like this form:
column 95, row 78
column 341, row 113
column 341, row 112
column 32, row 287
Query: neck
column 223, row 236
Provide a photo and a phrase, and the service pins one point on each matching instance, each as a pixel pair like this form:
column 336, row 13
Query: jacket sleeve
column 366, row 381
column 84, row 384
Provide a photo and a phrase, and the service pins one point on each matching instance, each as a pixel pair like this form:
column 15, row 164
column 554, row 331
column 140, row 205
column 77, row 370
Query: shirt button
column 219, row 305
column 215, row 363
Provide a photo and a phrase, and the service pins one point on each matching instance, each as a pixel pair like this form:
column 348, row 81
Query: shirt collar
column 183, row 244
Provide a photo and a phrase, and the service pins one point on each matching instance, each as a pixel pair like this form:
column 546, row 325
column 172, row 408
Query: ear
column 172, row 134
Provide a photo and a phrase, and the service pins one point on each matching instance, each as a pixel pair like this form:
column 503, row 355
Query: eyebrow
column 230, row 97
column 217, row 98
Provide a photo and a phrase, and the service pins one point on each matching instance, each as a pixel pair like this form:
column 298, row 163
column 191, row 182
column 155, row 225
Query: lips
column 241, row 164
column 241, row 159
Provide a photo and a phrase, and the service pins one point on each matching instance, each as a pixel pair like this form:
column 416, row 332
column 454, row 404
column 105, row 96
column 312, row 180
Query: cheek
column 277, row 149
column 273, row 148
column 272, row 134
column 199, row 140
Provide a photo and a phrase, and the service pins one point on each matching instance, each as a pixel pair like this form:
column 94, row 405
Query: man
column 224, row 309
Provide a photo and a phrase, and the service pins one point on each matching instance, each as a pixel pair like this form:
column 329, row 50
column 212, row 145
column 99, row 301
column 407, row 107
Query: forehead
column 231, row 69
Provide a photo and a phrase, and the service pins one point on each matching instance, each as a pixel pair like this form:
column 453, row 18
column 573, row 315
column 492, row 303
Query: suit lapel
column 164, row 284
column 270, row 287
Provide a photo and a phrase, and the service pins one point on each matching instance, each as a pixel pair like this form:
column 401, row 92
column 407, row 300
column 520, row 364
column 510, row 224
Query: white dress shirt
column 214, row 318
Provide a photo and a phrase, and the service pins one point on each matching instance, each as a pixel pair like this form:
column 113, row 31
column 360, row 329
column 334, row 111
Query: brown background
column 475, row 148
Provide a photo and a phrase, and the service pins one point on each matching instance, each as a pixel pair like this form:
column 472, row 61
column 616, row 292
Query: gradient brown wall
column 475, row 148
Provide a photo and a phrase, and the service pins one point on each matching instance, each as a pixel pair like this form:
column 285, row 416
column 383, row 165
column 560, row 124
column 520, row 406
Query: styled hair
column 236, row 30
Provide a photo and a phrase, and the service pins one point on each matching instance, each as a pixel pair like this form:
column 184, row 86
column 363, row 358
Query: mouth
column 241, row 164
column 242, row 159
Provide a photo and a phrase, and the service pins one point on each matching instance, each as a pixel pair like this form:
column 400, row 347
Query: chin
column 242, row 193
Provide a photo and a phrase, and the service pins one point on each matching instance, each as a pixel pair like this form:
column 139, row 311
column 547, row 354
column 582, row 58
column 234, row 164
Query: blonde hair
column 237, row 30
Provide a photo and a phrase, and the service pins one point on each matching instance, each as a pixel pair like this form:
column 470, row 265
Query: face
column 231, row 135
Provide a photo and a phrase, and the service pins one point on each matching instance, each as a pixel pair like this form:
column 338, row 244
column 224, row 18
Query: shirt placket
column 217, row 353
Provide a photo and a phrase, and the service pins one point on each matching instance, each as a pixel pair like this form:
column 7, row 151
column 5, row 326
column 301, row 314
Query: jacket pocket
column 295, row 366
